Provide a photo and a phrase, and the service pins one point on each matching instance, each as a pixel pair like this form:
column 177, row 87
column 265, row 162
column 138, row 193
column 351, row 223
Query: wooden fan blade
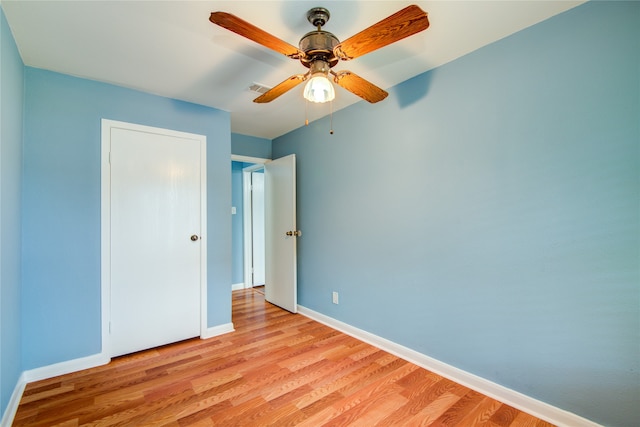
column 245, row 29
column 280, row 88
column 359, row 86
column 404, row 23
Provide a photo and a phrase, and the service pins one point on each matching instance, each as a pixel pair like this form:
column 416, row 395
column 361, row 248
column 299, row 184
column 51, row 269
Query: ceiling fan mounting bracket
column 318, row 16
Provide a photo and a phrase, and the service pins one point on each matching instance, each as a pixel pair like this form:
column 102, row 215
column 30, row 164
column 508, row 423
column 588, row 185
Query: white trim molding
column 247, row 159
column 75, row 365
column 44, row 373
column 14, row 401
column 66, row 367
column 214, row 331
column 527, row 404
column 239, row 286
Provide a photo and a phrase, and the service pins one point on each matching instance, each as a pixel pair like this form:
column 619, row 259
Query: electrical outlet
column 335, row 297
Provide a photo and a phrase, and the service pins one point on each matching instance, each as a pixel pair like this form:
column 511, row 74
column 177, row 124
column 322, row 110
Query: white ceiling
column 170, row 48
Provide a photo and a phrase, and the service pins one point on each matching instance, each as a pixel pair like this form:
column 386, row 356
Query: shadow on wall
column 409, row 94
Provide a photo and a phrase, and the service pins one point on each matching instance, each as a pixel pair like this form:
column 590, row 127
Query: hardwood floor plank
column 276, row 369
column 434, row 410
column 504, row 416
column 344, row 373
column 481, row 414
column 421, row 389
column 293, row 380
column 48, row 393
column 247, row 410
column 370, row 411
column 459, row 410
column 524, row 420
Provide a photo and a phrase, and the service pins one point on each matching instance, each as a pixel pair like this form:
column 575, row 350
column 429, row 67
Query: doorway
column 280, row 232
column 254, row 236
column 248, row 267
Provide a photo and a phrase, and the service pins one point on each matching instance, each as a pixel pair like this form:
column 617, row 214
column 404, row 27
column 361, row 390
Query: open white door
column 281, row 233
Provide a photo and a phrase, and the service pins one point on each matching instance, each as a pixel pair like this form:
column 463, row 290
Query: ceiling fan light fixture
column 319, row 89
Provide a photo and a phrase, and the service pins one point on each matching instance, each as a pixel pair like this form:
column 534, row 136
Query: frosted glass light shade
column 319, row 89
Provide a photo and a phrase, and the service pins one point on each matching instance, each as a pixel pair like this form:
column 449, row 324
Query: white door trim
column 105, row 221
column 247, row 234
column 247, row 221
column 247, row 159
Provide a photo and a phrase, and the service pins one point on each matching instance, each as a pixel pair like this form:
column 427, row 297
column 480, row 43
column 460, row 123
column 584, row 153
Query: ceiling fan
column 320, row 51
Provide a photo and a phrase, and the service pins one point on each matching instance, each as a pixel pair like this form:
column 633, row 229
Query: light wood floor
column 277, row 369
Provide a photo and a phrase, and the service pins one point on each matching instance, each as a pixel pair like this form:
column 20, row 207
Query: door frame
column 247, row 230
column 247, row 220
column 105, row 221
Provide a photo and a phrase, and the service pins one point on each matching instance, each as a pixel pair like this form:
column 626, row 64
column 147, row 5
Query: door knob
column 297, row 233
column 194, row 238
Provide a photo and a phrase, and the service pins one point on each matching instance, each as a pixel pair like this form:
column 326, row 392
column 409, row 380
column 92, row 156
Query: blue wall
column 487, row 213
column 11, row 114
column 61, row 223
column 251, row 146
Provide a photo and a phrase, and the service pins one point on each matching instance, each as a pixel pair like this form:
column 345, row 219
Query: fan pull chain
column 331, row 113
column 306, row 112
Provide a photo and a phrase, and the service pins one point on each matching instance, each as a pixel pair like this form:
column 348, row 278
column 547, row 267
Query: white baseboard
column 217, row 330
column 238, row 286
column 67, row 367
column 74, row 365
column 14, row 401
column 503, row 394
column 45, row 372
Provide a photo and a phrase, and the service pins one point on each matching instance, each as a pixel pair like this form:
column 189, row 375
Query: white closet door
column 155, row 239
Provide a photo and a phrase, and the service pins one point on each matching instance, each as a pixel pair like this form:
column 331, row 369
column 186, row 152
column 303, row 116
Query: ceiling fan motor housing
column 318, row 45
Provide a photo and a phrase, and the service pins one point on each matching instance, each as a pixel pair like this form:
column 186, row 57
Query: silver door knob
column 194, row 238
column 297, row 233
